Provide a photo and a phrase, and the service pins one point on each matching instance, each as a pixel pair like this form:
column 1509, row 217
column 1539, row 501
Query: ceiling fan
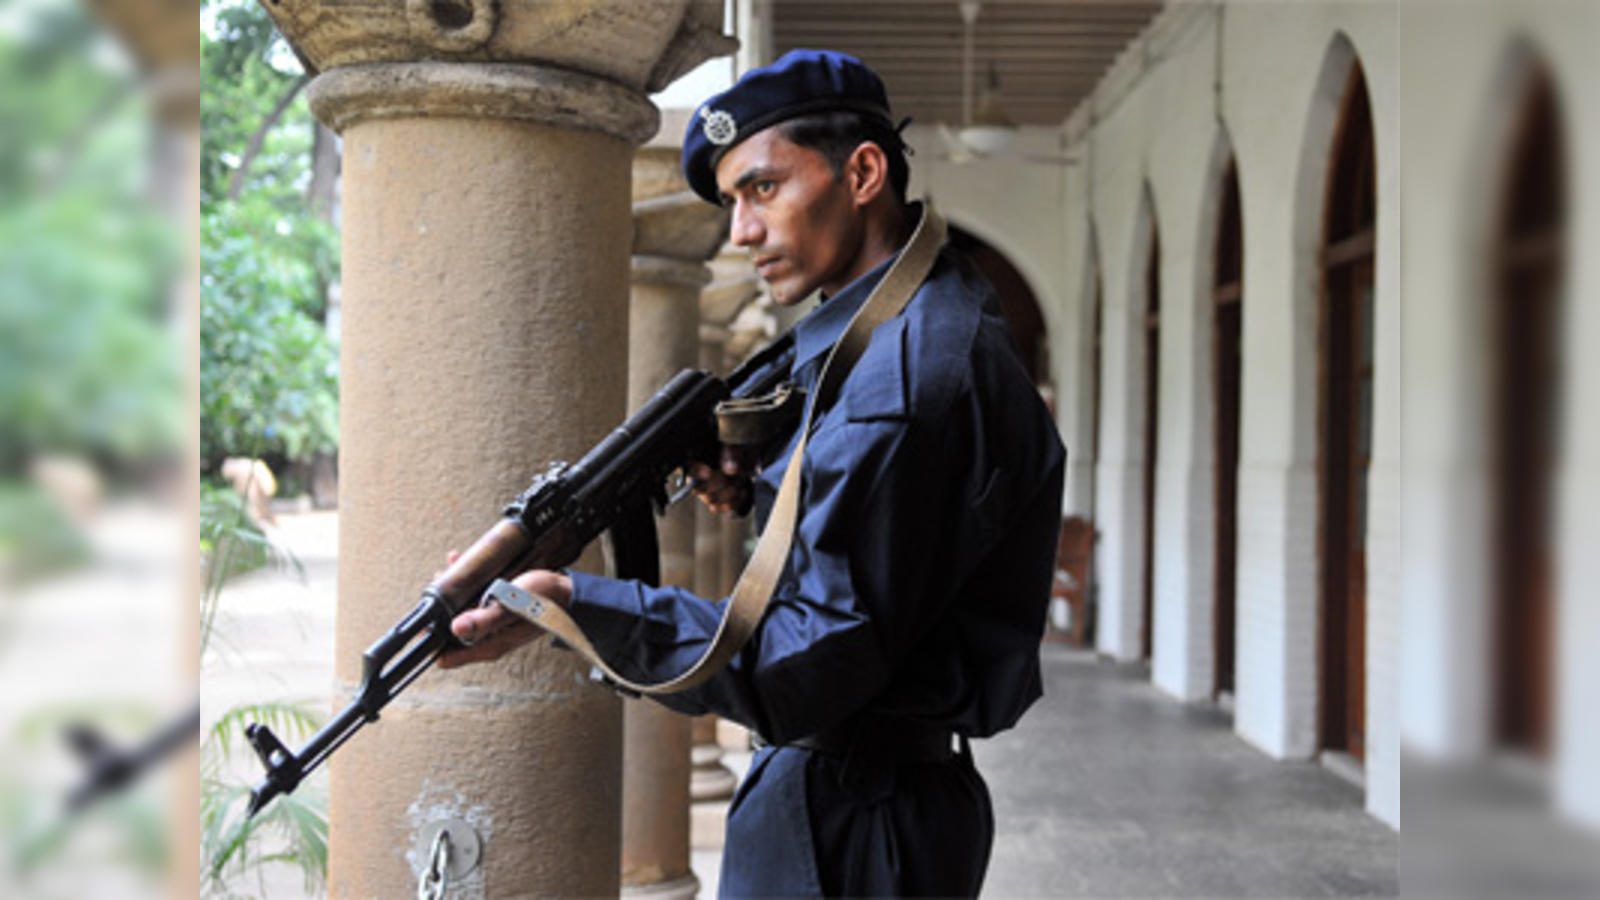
column 986, row 130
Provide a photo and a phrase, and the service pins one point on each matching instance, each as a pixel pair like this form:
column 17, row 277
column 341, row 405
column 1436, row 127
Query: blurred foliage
column 36, row 538
column 88, row 361
column 231, row 544
column 125, row 836
column 268, row 371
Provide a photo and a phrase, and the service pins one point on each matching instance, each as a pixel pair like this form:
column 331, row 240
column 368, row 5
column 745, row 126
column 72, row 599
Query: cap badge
column 719, row 127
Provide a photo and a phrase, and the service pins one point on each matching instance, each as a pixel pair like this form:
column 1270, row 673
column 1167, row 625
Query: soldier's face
column 793, row 212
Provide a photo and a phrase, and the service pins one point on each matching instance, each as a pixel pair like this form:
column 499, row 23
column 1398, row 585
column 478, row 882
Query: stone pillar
column 708, row 539
column 710, row 780
column 485, row 216
column 731, row 532
column 719, row 556
column 752, row 328
column 674, row 231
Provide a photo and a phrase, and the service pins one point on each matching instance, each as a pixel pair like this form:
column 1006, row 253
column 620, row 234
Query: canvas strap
column 760, row 577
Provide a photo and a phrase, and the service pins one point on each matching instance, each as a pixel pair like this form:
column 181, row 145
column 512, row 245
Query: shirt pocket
column 877, row 388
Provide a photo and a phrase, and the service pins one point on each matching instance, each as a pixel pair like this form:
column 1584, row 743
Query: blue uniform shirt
column 920, row 570
column 919, row 574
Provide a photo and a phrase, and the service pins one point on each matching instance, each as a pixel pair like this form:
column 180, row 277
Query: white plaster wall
column 1180, row 128
column 1377, row 38
column 1072, row 348
column 1136, row 178
column 1462, row 75
column 1457, row 108
column 1568, row 33
column 1155, row 119
column 1283, row 64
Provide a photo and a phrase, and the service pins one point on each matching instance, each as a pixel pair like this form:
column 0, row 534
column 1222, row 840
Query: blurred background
column 98, row 306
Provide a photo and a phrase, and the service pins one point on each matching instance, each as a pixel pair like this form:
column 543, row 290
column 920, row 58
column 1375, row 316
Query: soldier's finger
column 735, row 460
column 450, row 558
column 475, row 624
column 499, row 644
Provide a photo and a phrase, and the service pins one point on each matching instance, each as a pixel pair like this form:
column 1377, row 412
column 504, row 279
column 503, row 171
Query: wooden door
column 1227, row 369
column 1346, row 421
column 1529, row 266
column 1152, row 384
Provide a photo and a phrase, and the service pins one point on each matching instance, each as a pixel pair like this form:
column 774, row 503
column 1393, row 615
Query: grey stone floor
column 1110, row 789
column 1107, row 788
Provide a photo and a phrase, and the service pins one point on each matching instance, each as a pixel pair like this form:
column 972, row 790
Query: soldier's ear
column 867, row 172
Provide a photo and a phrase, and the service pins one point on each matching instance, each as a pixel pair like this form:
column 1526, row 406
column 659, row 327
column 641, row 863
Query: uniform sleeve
column 875, row 560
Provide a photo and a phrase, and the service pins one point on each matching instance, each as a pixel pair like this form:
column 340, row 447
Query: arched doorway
column 1347, row 256
column 1227, row 294
column 1152, row 382
column 1097, row 356
column 1528, row 267
column 1087, row 529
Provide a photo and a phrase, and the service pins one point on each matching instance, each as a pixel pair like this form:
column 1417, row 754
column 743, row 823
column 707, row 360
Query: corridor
column 1109, row 789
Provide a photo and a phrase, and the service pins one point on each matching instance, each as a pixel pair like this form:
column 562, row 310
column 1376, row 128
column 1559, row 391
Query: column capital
column 668, row 218
column 714, row 335
column 165, row 44
column 682, row 226
column 547, row 95
column 641, row 46
column 156, row 35
column 652, row 269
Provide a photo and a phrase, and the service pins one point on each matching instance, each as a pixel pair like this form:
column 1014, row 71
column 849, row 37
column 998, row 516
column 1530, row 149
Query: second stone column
column 674, row 232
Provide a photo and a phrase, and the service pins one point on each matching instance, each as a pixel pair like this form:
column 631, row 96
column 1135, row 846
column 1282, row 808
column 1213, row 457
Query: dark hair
column 837, row 134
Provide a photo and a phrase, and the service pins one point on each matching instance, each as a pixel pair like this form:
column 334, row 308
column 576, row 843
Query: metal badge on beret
column 719, row 127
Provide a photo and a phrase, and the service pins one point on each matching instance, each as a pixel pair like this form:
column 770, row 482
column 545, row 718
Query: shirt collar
column 821, row 327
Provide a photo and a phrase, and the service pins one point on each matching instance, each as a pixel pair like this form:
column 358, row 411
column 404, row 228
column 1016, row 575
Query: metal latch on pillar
column 451, row 850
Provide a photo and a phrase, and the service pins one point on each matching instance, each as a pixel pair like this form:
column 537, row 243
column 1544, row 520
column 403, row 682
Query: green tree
column 268, row 371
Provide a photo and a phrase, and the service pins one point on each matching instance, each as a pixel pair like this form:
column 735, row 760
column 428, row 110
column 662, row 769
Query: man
column 909, row 615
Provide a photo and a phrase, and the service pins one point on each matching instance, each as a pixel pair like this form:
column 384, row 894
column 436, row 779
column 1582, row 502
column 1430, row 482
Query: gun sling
column 755, row 586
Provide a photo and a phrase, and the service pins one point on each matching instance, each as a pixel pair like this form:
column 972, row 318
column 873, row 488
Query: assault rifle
column 617, row 487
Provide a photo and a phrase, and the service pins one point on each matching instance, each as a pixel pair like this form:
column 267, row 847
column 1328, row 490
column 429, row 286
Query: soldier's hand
column 727, row 487
column 491, row 632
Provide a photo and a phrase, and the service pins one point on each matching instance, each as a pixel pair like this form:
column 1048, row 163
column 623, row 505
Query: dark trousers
column 806, row 824
column 899, row 830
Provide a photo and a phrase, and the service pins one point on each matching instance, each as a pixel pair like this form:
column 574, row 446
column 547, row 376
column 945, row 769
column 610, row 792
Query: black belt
column 900, row 742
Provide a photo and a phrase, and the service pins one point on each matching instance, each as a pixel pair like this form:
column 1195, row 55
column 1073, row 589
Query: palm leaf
column 294, row 827
column 288, row 718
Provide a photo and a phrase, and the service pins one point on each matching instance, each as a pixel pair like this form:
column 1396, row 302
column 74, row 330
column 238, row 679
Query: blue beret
column 801, row 82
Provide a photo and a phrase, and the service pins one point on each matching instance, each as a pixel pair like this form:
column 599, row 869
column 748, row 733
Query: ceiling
column 1048, row 54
